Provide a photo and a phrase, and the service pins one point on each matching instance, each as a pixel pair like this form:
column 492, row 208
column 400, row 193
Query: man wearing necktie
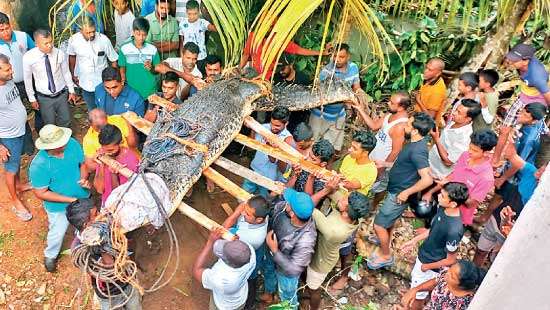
column 53, row 85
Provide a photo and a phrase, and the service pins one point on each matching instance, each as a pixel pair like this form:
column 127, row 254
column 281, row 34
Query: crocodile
column 214, row 116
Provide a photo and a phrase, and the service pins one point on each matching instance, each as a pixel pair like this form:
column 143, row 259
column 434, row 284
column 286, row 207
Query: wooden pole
column 325, row 174
column 166, row 104
column 196, row 146
column 251, row 175
column 227, row 208
column 270, row 137
column 223, row 182
column 189, row 211
column 145, row 127
column 139, row 123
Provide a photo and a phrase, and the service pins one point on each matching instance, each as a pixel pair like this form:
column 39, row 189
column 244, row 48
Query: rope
column 161, row 148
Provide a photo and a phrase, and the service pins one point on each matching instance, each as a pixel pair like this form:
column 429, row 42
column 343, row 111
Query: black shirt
column 445, row 235
column 299, row 78
column 404, row 173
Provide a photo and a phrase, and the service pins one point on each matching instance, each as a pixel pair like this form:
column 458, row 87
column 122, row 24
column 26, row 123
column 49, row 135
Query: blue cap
column 300, row 203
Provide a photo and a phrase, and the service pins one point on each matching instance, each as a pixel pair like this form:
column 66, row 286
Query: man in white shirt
column 454, row 139
column 89, row 53
column 185, row 67
column 53, row 82
column 227, row 278
column 124, row 18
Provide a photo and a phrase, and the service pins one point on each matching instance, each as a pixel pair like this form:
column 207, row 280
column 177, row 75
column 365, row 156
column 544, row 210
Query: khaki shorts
column 491, row 238
column 315, row 279
column 332, row 131
column 418, row 277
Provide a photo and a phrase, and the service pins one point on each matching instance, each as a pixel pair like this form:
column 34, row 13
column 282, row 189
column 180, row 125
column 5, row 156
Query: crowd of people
column 425, row 157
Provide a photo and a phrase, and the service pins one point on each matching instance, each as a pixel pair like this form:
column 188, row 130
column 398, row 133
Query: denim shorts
column 390, row 211
column 15, row 146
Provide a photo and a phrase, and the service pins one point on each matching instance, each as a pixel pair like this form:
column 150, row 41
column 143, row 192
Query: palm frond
column 229, row 16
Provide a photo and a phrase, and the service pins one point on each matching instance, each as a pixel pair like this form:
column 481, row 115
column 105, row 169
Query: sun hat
column 234, row 253
column 52, row 137
column 521, row 52
column 300, row 203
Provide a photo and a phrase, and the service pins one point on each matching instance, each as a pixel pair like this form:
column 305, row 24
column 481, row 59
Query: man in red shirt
column 255, row 56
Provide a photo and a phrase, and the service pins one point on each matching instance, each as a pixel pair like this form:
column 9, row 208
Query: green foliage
column 427, row 40
column 284, row 305
column 5, row 238
column 310, row 37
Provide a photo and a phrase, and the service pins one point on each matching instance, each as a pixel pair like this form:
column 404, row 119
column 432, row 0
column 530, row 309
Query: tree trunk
column 520, row 275
column 492, row 52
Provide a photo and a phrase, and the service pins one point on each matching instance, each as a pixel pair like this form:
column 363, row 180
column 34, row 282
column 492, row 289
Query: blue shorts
column 15, row 146
column 390, row 211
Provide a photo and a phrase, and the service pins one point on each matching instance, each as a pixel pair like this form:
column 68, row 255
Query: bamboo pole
column 251, row 175
column 323, row 173
column 139, row 123
column 187, row 210
column 223, row 182
column 270, row 137
column 166, row 104
column 196, row 146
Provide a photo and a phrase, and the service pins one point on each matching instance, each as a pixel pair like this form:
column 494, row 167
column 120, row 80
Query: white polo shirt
column 176, row 64
column 455, row 141
column 91, row 58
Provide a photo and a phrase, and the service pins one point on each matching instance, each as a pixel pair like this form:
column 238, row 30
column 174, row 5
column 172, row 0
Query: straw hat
column 52, row 137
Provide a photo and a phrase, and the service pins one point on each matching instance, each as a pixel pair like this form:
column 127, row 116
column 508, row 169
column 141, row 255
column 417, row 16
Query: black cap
column 521, row 52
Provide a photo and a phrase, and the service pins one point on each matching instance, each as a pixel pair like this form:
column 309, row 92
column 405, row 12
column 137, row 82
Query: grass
column 5, row 238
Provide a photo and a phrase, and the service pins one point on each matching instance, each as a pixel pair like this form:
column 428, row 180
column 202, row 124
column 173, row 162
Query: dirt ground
column 24, row 283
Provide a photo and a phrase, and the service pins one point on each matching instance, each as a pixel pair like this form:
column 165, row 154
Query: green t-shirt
column 333, row 230
column 492, row 106
column 133, row 59
column 167, row 32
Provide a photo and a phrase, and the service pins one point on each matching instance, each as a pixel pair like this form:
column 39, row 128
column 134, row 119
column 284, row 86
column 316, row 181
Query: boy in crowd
column 137, row 60
column 332, row 231
column 467, row 89
column 107, row 179
column 488, row 98
column 248, row 221
column 320, row 154
column 409, row 175
column 441, row 241
column 513, row 199
column 358, row 170
column 454, row 138
column 193, row 29
column 474, row 169
column 81, row 214
column 291, row 241
column 169, row 92
column 124, row 18
column 262, row 163
column 227, row 278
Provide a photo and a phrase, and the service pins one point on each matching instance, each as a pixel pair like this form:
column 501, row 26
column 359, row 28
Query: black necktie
column 51, row 83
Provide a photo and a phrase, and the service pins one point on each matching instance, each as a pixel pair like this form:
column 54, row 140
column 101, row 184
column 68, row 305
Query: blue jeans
column 255, row 189
column 287, row 285
column 15, row 147
column 89, row 98
column 57, row 227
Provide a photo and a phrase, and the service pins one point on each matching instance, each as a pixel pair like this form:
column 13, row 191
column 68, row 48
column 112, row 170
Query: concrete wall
column 520, row 275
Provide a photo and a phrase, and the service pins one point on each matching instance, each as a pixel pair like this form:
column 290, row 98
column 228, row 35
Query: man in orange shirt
column 432, row 96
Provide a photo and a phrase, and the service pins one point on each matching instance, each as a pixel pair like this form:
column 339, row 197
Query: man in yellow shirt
column 432, row 97
column 90, row 142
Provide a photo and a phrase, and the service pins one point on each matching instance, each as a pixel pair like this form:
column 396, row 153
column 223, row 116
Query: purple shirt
column 479, row 180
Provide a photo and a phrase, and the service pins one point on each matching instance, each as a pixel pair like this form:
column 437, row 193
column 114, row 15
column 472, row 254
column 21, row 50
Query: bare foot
column 267, row 298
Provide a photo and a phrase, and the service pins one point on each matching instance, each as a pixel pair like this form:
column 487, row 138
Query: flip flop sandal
column 375, row 266
column 24, row 216
column 373, row 239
